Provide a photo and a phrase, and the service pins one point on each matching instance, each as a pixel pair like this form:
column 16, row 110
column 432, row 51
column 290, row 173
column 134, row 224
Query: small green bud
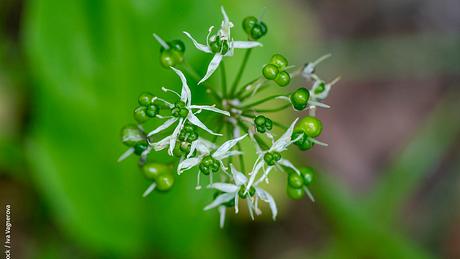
column 311, row 126
column 269, row 159
column 299, row 99
column 140, row 147
column 268, row 124
column 280, row 61
column 276, row 156
column 152, row 110
column 320, row 88
column 153, row 170
column 140, row 114
column 165, row 182
column 259, row 120
column 283, row 79
column 306, row 144
column 295, row 180
column 145, row 99
column 248, row 23
column 295, row 193
column 270, row 71
column 308, row 175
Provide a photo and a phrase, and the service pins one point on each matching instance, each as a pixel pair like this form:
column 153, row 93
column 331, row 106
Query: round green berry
column 152, row 110
column 153, row 170
column 131, row 135
column 294, row 193
column 311, row 126
column 268, row 124
column 164, row 182
column 283, row 79
column 279, row 60
column 308, row 175
column 276, row 156
column 140, row 147
column 270, row 71
column 259, row 120
column 295, row 180
column 177, row 45
column 320, row 88
column 299, row 98
column 171, row 57
column 248, row 23
column 140, row 114
column 257, row 31
column 145, row 99
column 269, row 159
column 306, row 144
column 225, row 47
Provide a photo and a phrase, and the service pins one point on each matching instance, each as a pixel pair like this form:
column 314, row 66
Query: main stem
column 240, row 72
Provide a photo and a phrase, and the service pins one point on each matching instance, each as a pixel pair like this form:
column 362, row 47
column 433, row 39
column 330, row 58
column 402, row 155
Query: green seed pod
column 252, row 191
column 177, row 45
column 131, row 135
column 306, row 144
column 192, row 137
column 295, row 180
column 308, row 175
column 269, row 159
column 299, row 99
column 165, row 182
column 183, row 112
column 216, row 45
column 260, row 129
column 145, row 99
column 259, row 120
column 185, row 147
column 153, row 170
column 248, row 23
column 140, row 147
column 152, row 110
column 241, row 192
column 263, row 28
column 311, row 126
column 283, row 79
column 276, row 156
column 296, row 134
column 270, row 71
column 225, row 47
column 268, row 124
column 294, row 193
column 257, row 31
column 320, row 88
column 140, row 114
column 280, row 61
column 207, row 161
column 180, row 104
column 167, row 59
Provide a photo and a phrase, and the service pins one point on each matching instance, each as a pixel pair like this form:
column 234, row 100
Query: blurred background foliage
column 70, row 72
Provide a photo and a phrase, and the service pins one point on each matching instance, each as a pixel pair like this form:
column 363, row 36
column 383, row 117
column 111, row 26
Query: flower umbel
column 172, row 135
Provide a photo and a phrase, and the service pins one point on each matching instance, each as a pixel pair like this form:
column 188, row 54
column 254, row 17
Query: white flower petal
column 161, row 41
column 187, row 164
column 246, row 44
column 226, row 146
column 126, row 154
column 212, row 67
column 230, row 153
column 210, row 108
column 199, row 46
column 224, row 14
column 194, row 120
column 287, row 163
column 162, row 144
column 163, row 126
column 264, row 176
column 204, row 146
column 238, row 177
column 236, row 203
column 172, row 140
column 253, row 174
column 285, row 139
column 222, row 210
column 219, row 200
column 225, row 187
column 265, row 196
column 186, row 95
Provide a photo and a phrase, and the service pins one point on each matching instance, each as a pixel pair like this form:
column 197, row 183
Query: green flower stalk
column 194, row 146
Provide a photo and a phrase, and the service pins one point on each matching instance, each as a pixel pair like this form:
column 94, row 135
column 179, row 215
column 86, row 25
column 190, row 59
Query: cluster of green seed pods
column 209, row 165
column 173, row 55
column 263, row 124
column 187, row 135
column 275, row 70
column 146, row 109
column 255, row 28
column 296, row 183
column 299, row 98
column 161, row 174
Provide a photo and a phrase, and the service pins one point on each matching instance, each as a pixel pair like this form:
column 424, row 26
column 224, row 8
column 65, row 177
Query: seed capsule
column 140, row 114
column 283, row 79
column 299, row 99
column 153, row 170
column 308, row 175
column 270, row 71
column 279, row 60
column 295, row 180
column 311, row 126
column 145, row 99
column 165, row 182
column 294, row 193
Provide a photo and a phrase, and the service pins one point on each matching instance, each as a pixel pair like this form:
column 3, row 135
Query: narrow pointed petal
column 265, row 196
column 287, row 163
column 264, row 176
column 199, row 46
column 225, row 187
column 254, row 173
column 310, row 195
column 222, row 210
column 236, row 204
column 238, row 177
column 224, row 14
column 126, row 154
column 162, row 127
column 172, row 140
column 187, row 164
column 162, row 144
column 231, row 153
column 219, row 200
column 210, row 108
column 318, row 104
column 149, row 189
column 212, row 67
column 161, row 41
column 186, row 94
column 225, row 148
column 285, row 139
column 194, row 120
column 250, row 208
column 246, row 44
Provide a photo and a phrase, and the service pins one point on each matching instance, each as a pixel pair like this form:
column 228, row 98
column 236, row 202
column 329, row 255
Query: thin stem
column 240, row 72
column 243, row 88
column 229, row 136
column 274, row 109
column 266, row 99
column 219, row 129
column 224, row 79
column 241, row 158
